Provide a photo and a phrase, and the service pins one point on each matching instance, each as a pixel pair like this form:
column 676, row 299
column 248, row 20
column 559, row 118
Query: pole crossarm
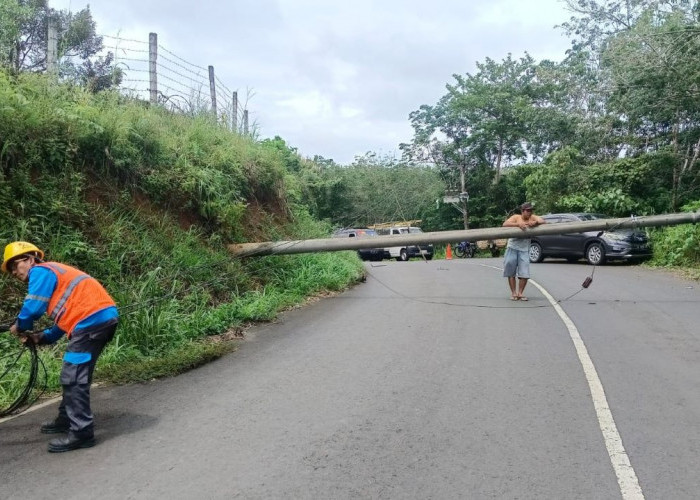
column 338, row 244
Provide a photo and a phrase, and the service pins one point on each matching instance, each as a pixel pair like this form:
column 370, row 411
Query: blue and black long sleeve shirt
column 42, row 285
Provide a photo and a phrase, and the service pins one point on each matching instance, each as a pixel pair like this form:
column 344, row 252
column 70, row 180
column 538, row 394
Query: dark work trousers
column 76, row 378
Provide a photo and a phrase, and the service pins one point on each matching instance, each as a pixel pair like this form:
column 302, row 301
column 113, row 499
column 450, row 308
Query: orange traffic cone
column 448, row 252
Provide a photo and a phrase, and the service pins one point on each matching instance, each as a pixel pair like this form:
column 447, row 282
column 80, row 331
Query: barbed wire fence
column 153, row 73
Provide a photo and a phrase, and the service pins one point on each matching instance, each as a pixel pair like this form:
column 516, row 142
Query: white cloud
column 312, row 105
column 337, row 79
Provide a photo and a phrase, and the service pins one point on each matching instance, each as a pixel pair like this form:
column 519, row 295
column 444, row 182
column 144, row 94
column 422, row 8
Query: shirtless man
column 517, row 258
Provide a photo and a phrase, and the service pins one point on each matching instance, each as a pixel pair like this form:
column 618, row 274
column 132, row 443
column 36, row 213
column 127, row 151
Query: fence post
column 153, row 66
column 234, row 112
column 212, row 89
column 52, row 46
column 245, row 122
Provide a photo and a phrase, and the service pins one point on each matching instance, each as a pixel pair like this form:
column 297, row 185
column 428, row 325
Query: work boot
column 71, row 442
column 56, row 426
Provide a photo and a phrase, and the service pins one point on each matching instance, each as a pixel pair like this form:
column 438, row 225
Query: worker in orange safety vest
column 84, row 312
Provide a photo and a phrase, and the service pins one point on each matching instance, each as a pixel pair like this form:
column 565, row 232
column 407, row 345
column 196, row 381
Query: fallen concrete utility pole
column 337, row 244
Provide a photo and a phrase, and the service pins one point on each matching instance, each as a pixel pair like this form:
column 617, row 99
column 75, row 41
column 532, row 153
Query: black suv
column 595, row 246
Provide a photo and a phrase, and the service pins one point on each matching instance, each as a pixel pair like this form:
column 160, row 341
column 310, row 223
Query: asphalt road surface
column 425, row 382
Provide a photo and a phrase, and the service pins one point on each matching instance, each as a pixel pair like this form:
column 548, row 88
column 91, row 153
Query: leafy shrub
column 678, row 245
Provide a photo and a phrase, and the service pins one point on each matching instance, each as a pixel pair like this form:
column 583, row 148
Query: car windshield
column 411, row 230
column 592, row 216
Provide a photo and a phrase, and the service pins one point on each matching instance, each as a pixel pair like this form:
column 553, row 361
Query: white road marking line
column 48, row 402
column 626, row 477
column 30, row 409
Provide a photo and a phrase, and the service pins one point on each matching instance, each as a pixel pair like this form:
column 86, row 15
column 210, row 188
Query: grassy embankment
column 146, row 201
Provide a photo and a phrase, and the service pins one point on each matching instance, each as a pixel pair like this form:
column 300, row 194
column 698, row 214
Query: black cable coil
column 21, row 371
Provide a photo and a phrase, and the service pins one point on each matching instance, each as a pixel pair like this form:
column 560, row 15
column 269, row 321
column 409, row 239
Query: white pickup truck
column 405, row 252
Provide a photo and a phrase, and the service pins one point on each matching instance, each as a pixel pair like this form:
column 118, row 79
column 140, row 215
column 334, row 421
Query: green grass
column 147, row 201
column 178, row 360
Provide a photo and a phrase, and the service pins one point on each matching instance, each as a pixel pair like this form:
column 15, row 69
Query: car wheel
column 595, row 255
column 535, row 252
column 428, row 257
column 403, row 255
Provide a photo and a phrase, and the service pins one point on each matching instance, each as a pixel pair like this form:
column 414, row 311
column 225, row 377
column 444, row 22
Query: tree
column 24, row 43
column 646, row 55
column 373, row 189
column 14, row 15
column 505, row 114
column 99, row 74
column 653, row 70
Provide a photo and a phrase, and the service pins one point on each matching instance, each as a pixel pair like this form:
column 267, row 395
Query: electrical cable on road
column 585, row 285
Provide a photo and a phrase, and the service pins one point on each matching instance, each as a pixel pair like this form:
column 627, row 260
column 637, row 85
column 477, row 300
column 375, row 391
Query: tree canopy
column 24, row 42
column 623, row 106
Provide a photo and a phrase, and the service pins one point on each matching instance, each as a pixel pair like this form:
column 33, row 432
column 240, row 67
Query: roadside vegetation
column 147, row 199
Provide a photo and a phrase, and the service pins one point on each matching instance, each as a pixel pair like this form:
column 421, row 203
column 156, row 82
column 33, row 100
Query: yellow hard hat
column 17, row 248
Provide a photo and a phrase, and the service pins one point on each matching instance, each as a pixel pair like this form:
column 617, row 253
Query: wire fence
column 151, row 72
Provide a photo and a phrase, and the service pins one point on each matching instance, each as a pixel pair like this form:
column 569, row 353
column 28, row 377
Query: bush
column 678, row 245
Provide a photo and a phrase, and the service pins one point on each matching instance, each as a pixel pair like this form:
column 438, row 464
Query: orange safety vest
column 77, row 296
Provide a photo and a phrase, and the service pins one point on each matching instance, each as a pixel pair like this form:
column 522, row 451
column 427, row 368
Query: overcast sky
column 337, row 79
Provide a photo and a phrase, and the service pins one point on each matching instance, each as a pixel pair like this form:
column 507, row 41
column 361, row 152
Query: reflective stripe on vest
column 62, row 301
column 76, row 297
column 54, row 267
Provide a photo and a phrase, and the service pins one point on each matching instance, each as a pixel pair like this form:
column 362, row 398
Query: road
column 425, row 382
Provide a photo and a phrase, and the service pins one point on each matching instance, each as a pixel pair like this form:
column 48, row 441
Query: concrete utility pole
column 52, row 46
column 463, row 196
column 212, row 89
column 337, row 244
column 153, row 66
column 234, row 112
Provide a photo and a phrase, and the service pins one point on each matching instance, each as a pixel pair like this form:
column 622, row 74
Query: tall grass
column 678, row 246
column 146, row 201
